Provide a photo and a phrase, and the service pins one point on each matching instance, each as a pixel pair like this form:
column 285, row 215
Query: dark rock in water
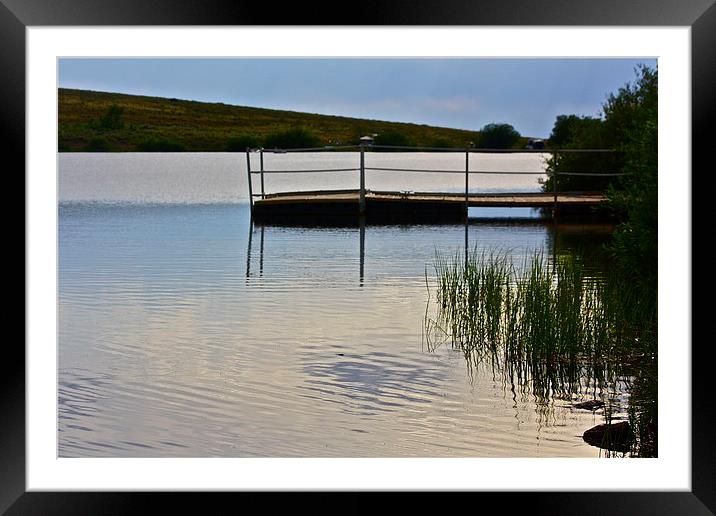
column 589, row 405
column 614, row 437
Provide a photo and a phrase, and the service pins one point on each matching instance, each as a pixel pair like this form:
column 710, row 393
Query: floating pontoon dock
column 407, row 206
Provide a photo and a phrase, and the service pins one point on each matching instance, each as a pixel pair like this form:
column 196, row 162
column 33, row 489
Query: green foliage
column 568, row 128
column 634, row 111
column 294, row 138
column 112, row 118
column 551, row 327
column 242, row 142
column 573, row 132
column 97, row 144
column 201, row 126
column 160, row 145
column 443, row 143
column 497, row 136
column 629, row 126
column 634, row 105
column 625, row 115
column 392, row 138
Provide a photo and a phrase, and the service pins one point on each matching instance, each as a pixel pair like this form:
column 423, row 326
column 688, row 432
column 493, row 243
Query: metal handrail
column 406, row 147
column 541, row 173
column 467, row 151
column 439, row 171
column 305, row 170
column 595, row 174
column 416, row 170
column 477, row 150
column 440, row 149
column 309, row 149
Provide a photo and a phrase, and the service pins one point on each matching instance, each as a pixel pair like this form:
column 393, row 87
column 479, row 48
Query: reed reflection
column 554, row 333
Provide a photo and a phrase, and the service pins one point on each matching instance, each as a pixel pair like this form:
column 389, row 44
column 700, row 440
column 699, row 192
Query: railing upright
column 361, row 198
column 248, row 173
column 467, row 180
column 554, row 184
column 542, row 202
column 261, row 154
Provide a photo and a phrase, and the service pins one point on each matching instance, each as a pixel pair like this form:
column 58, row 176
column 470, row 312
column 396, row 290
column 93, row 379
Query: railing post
column 261, row 154
column 248, row 249
column 467, row 202
column 361, row 270
column 361, row 195
column 248, row 172
column 467, row 180
column 554, row 184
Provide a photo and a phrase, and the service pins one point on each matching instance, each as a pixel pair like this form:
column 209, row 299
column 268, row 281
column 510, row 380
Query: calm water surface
column 184, row 330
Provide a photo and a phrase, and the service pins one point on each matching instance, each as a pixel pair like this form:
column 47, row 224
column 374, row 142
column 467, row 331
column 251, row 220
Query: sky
column 459, row 93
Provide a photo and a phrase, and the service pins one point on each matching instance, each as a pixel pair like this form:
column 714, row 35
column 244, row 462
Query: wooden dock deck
column 409, row 206
column 372, row 206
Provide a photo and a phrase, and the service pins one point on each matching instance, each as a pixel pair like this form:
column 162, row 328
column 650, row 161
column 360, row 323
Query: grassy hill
column 98, row 121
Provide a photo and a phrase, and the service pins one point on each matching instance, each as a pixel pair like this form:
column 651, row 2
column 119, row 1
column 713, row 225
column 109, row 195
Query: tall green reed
column 550, row 328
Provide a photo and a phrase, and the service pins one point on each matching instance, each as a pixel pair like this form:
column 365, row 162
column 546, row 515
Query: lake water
column 184, row 330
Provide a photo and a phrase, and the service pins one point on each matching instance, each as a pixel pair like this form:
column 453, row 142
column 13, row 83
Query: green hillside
column 97, row 121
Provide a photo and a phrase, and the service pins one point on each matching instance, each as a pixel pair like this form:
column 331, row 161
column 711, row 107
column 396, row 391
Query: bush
column 630, row 126
column 112, row 118
column 627, row 116
column 294, row 138
column 392, row 138
column 633, row 114
column 443, row 143
column 241, row 143
column 160, row 145
column 566, row 128
column 575, row 132
column 497, row 136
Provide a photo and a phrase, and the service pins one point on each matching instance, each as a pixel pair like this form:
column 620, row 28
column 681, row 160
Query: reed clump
column 552, row 328
column 539, row 310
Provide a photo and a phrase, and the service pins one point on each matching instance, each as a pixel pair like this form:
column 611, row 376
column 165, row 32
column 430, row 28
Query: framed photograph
column 185, row 331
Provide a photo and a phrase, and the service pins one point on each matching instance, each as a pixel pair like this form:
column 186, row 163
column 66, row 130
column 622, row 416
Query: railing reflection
column 555, row 232
column 262, row 227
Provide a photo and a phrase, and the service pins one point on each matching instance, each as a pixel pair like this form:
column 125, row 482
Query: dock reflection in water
column 571, row 234
column 184, row 330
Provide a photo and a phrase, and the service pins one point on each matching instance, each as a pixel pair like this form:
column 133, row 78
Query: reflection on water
column 554, row 332
column 184, row 330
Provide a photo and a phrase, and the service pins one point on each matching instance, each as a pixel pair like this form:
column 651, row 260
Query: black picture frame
column 700, row 15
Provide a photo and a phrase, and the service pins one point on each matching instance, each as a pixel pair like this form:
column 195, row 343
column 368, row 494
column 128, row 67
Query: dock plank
column 404, row 207
column 537, row 199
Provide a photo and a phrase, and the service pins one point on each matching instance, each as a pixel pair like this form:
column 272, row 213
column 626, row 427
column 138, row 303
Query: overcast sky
column 459, row 93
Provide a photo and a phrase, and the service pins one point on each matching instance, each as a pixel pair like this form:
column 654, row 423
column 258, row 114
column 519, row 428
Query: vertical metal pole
column 554, row 214
column 248, row 171
column 361, row 195
column 261, row 154
column 554, row 247
column 248, row 250
column 466, row 244
column 467, row 179
column 554, row 185
column 467, row 205
column 261, row 253
column 361, row 271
